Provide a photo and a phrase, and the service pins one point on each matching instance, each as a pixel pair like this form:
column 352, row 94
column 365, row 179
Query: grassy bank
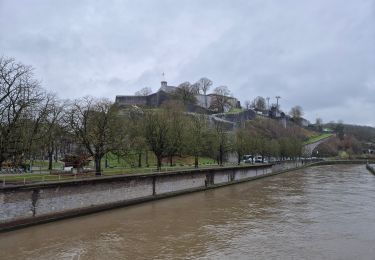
column 316, row 138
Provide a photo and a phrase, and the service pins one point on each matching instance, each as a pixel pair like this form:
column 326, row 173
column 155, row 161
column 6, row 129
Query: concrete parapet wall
column 166, row 184
column 244, row 174
column 222, row 177
column 30, row 204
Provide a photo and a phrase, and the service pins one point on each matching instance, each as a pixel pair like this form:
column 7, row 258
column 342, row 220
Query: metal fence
column 11, row 178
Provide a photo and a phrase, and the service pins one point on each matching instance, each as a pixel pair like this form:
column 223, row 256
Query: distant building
column 168, row 89
column 275, row 113
column 164, row 93
column 304, row 122
column 203, row 100
column 152, row 100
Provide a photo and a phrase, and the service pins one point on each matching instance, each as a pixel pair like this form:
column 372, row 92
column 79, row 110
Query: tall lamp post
column 277, row 101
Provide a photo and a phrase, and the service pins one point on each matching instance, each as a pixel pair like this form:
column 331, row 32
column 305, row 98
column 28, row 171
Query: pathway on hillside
column 215, row 118
column 309, row 148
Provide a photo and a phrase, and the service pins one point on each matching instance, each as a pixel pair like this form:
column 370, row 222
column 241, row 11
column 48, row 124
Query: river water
column 325, row 212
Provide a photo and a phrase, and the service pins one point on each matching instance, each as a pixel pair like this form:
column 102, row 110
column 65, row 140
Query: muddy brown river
column 325, row 212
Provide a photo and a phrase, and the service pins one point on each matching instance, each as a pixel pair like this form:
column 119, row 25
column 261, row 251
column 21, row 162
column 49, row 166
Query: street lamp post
column 277, row 101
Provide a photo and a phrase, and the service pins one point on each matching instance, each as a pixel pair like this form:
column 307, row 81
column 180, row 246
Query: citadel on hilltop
column 204, row 103
column 230, row 111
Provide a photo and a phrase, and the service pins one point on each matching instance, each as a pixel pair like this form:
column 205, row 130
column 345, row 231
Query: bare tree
column 20, row 94
column 223, row 142
column 296, row 113
column 52, row 127
column 176, row 133
column 97, row 127
column 259, row 103
column 221, row 99
column 186, row 93
column 156, row 128
column 205, row 85
column 241, row 143
column 137, row 136
column 319, row 124
column 144, row 92
column 196, row 88
column 196, row 133
column 340, row 130
column 247, row 104
column 36, row 125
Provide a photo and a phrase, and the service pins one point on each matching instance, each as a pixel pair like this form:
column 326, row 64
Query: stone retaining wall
column 31, row 204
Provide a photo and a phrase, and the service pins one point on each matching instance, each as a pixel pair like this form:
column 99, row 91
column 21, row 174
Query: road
column 309, row 148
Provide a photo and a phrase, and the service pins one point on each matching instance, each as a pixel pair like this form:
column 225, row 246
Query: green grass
column 43, row 164
column 119, row 166
column 40, row 178
column 234, row 110
column 131, row 161
column 316, row 138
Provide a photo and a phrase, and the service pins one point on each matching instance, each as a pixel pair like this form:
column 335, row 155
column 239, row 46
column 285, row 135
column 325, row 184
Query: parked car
column 247, row 159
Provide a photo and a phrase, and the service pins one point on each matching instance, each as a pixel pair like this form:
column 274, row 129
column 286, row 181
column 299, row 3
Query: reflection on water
column 325, row 212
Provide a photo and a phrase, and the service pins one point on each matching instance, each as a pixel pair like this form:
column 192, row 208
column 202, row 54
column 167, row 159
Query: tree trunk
column 106, row 162
column 98, row 168
column 50, row 160
column 159, row 158
column 196, row 161
column 221, row 156
column 171, row 160
column 239, row 159
column 147, row 159
column 56, row 151
column 140, row 160
column 31, row 163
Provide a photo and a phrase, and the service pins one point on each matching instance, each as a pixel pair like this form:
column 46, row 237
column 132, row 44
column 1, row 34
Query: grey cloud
column 318, row 54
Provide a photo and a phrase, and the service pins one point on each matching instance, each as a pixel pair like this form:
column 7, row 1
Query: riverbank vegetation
column 349, row 142
column 36, row 126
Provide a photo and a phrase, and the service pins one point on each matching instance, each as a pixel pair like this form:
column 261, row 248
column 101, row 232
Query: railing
column 12, row 171
column 58, row 175
column 21, row 178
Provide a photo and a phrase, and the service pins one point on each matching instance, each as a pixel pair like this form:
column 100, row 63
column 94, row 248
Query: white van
column 247, row 159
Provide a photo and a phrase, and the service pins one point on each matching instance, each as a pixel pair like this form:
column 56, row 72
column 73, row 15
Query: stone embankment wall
column 238, row 118
column 31, row 204
column 371, row 168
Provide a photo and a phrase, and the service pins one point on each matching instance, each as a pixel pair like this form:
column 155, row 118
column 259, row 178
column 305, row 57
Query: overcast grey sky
column 319, row 54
